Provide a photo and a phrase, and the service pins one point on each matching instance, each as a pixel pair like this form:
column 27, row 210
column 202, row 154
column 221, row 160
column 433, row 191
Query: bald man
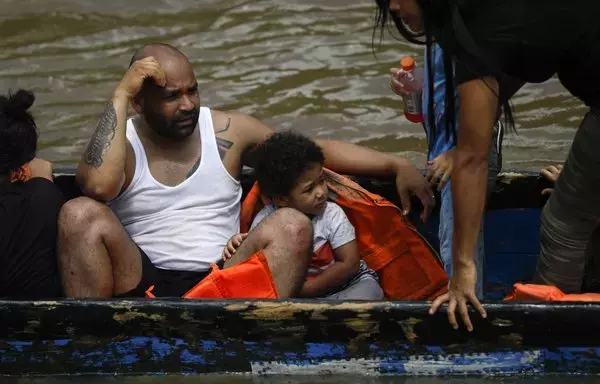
column 163, row 196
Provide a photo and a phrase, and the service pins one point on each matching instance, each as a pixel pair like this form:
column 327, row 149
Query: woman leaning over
column 489, row 42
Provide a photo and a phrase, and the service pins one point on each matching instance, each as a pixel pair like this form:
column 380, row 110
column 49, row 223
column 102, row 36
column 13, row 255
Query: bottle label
column 412, row 103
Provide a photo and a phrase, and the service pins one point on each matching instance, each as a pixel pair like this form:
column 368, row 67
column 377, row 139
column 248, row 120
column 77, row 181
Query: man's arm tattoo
column 226, row 126
column 224, row 146
column 102, row 137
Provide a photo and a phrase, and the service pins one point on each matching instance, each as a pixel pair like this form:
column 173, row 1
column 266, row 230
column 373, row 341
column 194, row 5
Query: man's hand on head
column 132, row 82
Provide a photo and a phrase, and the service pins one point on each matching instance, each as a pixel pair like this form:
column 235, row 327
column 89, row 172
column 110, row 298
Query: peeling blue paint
column 392, row 361
column 162, row 350
column 434, row 349
column 188, row 357
column 321, row 350
column 61, row 342
column 574, row 359
column 7, row 360
column 19, row 346
column 209, row 345
column 203, row 356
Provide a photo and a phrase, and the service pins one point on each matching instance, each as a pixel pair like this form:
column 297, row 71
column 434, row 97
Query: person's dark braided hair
column 18, row 131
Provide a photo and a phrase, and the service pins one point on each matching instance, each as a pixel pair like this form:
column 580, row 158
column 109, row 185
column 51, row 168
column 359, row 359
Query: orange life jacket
column 535, row 292
column 408, row 267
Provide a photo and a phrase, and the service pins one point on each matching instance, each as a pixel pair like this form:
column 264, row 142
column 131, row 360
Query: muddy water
column 304, row 64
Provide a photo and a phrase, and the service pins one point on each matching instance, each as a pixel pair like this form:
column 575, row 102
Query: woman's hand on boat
column 409, row 182
column 439, row 169
column 232, row 245
column 551, row 173
column 461, row 291
column 132, row 82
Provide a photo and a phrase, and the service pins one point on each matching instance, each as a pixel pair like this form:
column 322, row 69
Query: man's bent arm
column 340, row 157
column 101, row 170
column 354, row 159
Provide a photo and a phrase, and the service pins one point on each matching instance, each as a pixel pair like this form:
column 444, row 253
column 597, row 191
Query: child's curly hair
column 282, row 159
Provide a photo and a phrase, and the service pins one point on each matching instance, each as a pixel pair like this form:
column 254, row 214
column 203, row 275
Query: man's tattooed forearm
column 224, row 146
column 102, row 137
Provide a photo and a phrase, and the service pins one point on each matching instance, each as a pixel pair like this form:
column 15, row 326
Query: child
column 290, row 174
column 29, row 206
column 440, row 159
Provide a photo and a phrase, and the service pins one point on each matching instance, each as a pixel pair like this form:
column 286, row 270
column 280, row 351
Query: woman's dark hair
column 18, row 132
column 282, row 159
column 442, row 19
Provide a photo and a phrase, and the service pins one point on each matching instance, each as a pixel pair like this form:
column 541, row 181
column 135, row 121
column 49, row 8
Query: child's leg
column 364, row 286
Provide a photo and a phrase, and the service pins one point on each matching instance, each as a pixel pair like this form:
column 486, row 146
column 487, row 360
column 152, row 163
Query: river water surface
column 306, row 64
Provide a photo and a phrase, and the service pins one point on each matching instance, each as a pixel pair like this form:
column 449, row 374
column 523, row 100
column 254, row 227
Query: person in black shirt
column 490, row 41
column 29, row 207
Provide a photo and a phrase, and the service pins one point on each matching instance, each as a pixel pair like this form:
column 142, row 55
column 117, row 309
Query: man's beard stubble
column 170, row 128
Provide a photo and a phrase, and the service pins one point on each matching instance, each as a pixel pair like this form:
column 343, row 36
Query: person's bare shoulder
column 239, row 132
column 239, row 124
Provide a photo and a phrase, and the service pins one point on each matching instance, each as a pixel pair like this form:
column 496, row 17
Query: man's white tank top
column 184, row 227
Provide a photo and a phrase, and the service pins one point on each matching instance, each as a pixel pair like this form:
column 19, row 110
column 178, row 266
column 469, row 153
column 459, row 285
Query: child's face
column 310, row 192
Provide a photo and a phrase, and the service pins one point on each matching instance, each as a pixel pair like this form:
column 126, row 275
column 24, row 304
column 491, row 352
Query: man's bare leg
column 285, row 237
column 96, row 256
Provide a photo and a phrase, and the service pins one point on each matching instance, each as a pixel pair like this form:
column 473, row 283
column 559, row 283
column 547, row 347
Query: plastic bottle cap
column 407, row 63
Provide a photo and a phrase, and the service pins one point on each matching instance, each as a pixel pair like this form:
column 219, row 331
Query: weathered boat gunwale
column 174, row 336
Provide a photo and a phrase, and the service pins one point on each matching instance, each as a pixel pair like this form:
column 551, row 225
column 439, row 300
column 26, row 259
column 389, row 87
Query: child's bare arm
column 347, row 262
column 232, row 245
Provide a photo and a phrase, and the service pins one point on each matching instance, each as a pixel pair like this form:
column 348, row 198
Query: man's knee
column 293, row 225
column 84, row 219
column 289, row 249
column 81, row 211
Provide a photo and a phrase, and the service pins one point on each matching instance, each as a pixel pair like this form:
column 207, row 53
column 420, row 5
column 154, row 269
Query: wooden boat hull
column 172, row 336
column 292, row 337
